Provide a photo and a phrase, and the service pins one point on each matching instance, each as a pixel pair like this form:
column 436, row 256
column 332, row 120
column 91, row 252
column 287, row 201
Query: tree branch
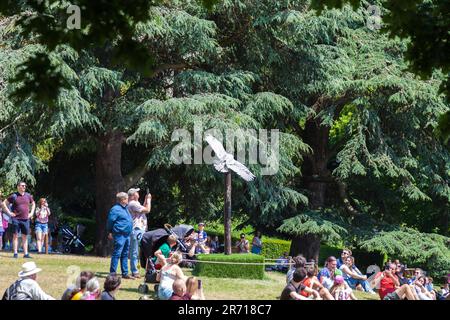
column 163, row 67
column 133, row 177
column 11, row 123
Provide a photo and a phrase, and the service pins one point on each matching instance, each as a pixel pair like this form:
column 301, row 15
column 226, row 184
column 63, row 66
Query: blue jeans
column 121, row 247
column 354, row 282
column 135, row 240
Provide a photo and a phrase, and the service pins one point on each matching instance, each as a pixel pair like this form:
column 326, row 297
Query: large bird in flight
column 226, row 162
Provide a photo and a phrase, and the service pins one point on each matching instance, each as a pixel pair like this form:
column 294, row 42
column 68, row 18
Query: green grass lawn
column 57, row 272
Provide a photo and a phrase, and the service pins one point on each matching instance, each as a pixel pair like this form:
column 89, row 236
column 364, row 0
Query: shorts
column 392, row 296
column 41, row 227
column 164, row 293
column 22, row 226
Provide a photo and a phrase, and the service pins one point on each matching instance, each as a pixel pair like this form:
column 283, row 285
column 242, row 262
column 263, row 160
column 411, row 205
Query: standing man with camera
column 139, row 215
column 21, row 215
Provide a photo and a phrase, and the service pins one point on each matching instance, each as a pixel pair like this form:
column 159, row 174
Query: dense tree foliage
column 424, row 23
column 107, row 107
column 359, row 158
column 78, row 24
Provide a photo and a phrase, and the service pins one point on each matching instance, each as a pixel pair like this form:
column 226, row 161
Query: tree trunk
column 227, row 214
column 108, row 181
column 308, row 246
column 317, row 180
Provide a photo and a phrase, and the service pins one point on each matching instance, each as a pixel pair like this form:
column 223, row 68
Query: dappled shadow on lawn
column 134, row 290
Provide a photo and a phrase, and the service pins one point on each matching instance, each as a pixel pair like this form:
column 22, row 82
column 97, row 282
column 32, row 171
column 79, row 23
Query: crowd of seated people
column 86, row 286
column 303, row 282
column 199, row 242
column 174, row 285
column 338, row 279
column 394, row 285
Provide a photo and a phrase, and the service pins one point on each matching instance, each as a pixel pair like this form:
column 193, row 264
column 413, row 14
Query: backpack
column 11, row 293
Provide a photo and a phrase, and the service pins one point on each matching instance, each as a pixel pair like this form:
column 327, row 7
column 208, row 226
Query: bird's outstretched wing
column 240, row 169
column 217, row 147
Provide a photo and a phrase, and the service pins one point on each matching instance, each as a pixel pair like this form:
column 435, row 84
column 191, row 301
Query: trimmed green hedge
column 230, row 270
column 326, row 251
column 363, row 259
column 272, row 248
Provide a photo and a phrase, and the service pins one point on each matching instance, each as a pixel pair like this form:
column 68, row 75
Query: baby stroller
column 71, row 242
column 152, row 240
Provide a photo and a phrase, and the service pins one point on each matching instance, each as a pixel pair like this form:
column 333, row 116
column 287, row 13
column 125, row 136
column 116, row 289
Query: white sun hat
column 29, row 268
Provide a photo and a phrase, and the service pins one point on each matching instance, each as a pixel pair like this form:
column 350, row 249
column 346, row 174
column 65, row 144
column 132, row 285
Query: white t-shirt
column 343, row 294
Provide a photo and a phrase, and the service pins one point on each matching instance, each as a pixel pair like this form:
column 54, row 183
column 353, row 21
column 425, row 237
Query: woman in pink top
column 92, row 290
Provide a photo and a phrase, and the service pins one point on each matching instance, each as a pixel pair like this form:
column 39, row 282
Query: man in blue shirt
column 119, row 227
